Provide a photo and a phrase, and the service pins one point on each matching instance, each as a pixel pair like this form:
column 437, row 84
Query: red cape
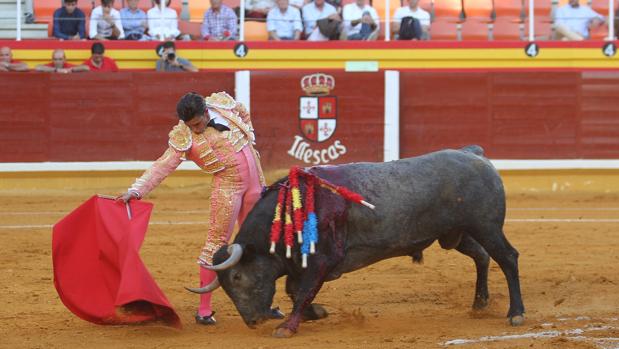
column 98, row 272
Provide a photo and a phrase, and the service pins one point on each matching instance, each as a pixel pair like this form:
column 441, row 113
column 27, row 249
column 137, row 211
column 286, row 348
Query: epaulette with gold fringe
column 180, row 137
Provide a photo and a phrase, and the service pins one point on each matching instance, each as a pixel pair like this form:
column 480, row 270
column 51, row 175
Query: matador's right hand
column 126, row 197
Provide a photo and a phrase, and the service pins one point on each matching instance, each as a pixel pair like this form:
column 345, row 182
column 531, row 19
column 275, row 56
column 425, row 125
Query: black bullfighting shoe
column 206, row 320
column 276, row 314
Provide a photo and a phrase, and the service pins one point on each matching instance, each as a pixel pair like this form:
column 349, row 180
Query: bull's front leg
column 309, row 284
column 311, row 312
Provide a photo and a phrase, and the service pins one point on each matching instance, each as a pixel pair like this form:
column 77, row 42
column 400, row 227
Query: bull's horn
column 206, row 289
column 235, row 251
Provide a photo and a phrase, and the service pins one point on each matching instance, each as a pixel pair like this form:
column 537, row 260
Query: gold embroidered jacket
column 212, row 151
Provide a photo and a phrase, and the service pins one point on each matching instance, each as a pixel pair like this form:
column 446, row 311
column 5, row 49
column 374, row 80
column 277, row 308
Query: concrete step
column 11, row 25
column 10, row 21
column 8, row 7
column 28, row 31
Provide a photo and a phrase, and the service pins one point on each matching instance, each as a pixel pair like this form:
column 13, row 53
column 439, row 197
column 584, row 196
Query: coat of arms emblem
column 318, row 110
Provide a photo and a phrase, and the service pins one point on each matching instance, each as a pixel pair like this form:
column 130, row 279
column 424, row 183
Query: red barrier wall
column 126, row 116
column 94, row 117
column 513, row 115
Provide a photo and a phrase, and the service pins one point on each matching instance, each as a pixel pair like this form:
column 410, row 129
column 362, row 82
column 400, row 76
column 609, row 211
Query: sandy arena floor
column 568, row 268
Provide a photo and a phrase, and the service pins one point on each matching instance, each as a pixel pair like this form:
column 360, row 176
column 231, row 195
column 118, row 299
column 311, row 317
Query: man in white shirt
column 360, row 20
column 162, row 26
column 284, row 22
column 573, row 21
column 105, row 22
column 412, row 10
column 314, row 11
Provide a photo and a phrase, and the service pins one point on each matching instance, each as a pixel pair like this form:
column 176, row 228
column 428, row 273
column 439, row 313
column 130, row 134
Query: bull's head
column 247, row 278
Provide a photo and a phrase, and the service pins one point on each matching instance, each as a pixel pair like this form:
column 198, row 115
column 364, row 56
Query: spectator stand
column 256, row 30
column 447, row 21
column 509, row 21
column 541, row 28
column 600, row 6
column 44, row 9
column 451, row 19
column 478, row 21
column 381, row 8
column 197, row 9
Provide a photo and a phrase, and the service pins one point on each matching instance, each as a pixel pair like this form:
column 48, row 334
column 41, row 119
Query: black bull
column 453, row 196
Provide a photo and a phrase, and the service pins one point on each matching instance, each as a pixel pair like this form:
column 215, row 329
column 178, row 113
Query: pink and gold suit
column 237, row 178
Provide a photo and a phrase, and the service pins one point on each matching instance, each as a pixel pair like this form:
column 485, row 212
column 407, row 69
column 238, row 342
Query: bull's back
column 417, row 200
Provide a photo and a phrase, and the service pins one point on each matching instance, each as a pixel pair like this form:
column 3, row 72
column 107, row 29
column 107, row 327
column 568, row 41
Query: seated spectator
column 170, row 62
column 573, row 21
column 163, row 25
column 69, row 22
column 59, row 64
column 98, row 62
column 284, row 22
column 421, row 22
column 105, row 22
column 257, row 8
column 316, row 11
column 134, row 21
column 220, row 23
column 7, row 63
column 360, row 21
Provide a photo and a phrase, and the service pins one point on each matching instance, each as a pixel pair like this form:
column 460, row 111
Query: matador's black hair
column 190, row 105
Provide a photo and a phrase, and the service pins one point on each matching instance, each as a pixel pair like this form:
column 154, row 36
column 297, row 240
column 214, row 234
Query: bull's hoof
column 480, row 303
column 319, row 311
column 314, row 312
column 516, row 320
column 282, row 332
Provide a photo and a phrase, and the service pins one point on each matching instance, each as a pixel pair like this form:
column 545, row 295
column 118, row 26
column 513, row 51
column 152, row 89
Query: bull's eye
column 236, row 276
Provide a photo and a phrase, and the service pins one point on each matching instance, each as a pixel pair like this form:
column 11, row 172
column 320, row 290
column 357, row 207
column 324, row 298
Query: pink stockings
column 206, row 277
column 233, row 196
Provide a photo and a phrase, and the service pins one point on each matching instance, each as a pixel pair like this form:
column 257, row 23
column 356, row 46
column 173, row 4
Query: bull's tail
column 475, row 149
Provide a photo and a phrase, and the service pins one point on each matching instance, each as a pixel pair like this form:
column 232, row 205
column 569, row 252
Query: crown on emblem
column 317, row 84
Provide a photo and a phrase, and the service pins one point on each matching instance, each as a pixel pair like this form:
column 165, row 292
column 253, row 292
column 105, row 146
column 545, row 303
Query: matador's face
column 197, row 124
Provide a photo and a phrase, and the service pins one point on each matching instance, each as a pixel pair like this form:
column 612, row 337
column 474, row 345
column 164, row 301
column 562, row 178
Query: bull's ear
column 249, row 252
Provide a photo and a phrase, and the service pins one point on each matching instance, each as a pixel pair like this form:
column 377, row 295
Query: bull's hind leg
column 497, row 246
column 312, row 311
column 471, row 248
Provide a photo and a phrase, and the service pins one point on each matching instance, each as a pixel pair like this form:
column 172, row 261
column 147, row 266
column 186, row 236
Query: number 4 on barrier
column 240, row 50
column 609, row 49
column 532, row 50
